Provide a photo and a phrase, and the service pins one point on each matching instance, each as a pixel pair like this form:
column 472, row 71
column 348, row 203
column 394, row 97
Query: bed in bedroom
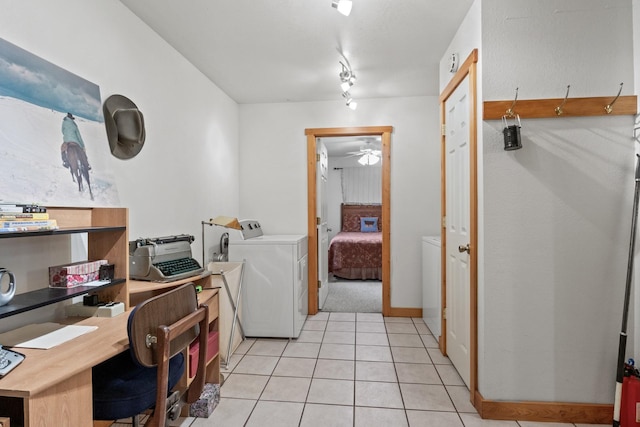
column 356, row 251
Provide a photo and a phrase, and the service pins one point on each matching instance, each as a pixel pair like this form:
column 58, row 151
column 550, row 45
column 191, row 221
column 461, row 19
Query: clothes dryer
column 431, row 283
column 274, row 295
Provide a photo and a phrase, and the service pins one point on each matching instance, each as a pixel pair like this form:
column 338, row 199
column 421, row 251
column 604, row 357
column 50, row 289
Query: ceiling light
column 350, row 102
column 343, row 6
column 368, row 159
column 347, row 77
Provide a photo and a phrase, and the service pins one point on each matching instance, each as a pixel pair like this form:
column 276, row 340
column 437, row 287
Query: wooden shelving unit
column 107, row 239
column 39, row 298
column 53, row 387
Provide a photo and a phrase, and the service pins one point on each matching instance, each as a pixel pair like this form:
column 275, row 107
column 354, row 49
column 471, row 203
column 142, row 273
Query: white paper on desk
column 43, row 335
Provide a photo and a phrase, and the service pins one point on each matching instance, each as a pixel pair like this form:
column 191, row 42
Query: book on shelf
column 21, row 208
column 28, row 228
column 30, row 223
column 21, row 216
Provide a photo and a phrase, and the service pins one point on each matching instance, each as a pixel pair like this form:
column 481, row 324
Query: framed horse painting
column 53, row 148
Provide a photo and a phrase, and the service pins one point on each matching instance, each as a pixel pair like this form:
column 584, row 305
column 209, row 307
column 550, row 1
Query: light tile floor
column 347, row 369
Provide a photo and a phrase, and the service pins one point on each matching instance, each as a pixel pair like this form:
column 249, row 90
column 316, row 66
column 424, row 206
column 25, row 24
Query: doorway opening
column 315, row 230
column 349, row 202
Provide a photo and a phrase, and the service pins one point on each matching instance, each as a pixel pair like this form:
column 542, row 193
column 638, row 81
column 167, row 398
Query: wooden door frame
column 468, row 68
column 385, row 133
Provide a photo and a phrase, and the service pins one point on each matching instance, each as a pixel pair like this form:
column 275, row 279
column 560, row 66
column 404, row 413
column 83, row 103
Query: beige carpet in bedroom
column 354, row 296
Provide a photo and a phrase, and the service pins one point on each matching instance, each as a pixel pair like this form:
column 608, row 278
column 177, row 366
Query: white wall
column 273, row 172
column 555, row 215
column 188, row 169
column 467, row 38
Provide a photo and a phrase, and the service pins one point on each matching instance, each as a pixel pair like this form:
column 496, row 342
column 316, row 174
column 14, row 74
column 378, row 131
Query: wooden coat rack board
column 571, row 107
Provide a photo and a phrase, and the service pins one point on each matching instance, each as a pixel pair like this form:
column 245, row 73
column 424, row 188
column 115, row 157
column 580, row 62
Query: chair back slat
column 165, row 309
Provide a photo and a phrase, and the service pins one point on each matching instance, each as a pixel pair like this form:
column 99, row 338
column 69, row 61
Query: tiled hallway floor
column 347, row 369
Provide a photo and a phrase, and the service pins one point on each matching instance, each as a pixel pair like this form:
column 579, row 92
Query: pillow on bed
column 351, row 222
column 368, row 224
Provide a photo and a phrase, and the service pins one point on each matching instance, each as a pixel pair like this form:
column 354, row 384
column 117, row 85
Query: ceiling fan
column 368, row 155
column 367, row 148
column 364, row 151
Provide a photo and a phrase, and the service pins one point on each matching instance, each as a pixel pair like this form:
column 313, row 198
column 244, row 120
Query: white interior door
column 458, row 279
column 322, row 172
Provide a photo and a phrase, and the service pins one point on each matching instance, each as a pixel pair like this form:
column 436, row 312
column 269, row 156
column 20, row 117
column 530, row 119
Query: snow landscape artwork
column 36, row 98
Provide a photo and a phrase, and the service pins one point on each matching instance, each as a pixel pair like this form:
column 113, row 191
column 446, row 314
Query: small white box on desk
column 108, row 310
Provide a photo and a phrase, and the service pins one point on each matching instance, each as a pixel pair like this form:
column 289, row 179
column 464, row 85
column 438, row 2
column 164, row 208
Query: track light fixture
column 347, row 77
column 343, row 6
column 350, row 102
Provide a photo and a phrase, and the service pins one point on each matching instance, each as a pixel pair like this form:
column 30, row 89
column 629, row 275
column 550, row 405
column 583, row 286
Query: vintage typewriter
column 162, row 259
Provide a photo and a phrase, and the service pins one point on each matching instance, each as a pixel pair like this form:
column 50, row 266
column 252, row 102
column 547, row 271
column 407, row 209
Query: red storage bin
column 630, row 402
column 212, row 350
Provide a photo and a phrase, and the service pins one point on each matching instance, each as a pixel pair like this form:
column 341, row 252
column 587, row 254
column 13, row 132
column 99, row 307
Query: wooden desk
column 53, row 387
column 140, row 290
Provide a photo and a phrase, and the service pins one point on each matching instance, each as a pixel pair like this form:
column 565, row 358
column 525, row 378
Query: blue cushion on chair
column 122, row 388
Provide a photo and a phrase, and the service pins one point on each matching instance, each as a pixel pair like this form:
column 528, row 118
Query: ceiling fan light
column 368, row 159
column 345, row 86
column 352, row 104
column 343, row 6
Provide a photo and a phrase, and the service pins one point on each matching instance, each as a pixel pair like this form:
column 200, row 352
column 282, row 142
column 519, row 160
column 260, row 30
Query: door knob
column 463, row 248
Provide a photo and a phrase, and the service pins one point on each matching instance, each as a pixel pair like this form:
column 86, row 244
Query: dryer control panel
column 250, row 228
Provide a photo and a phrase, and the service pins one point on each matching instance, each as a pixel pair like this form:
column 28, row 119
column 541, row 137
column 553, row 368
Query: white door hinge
column 317, row 157
column 444, row 221
column 443, row 129
column 319, row 284
column 444, row 313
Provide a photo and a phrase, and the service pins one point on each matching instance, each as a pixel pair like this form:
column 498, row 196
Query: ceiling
column 268, row 51
column 345, row 146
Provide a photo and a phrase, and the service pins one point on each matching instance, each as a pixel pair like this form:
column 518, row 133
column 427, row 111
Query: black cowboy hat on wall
column 125, row 126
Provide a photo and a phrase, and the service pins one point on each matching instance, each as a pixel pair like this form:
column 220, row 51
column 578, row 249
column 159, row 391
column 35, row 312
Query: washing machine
column 431, row 283
column 274, row 295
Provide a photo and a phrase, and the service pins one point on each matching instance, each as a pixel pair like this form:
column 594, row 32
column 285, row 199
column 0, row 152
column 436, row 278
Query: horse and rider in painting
column 74, row 156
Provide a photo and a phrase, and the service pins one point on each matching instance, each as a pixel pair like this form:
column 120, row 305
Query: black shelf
column 60, row 231
column 43, row 297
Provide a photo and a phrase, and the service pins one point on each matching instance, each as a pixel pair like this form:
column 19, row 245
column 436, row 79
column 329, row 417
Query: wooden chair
column 160, row 329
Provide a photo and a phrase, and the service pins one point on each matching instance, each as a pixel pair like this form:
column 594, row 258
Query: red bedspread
column 355, row 255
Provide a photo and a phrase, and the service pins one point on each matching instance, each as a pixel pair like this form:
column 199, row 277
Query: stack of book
column 25, row 217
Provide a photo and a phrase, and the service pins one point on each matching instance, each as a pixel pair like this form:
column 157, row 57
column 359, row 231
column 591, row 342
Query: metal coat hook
column 558, row 109
column 609, row 107
column 510, row 112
